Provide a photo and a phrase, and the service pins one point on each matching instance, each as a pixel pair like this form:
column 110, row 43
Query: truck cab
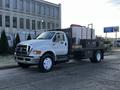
column 47, row 45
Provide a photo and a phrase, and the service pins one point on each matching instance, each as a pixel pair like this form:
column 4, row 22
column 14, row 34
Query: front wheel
column 46, row 63
column 97, row 57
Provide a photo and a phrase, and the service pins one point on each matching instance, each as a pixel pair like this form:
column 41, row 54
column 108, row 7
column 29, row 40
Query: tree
column 17, row 40
column 29, row 37
column 4, row 43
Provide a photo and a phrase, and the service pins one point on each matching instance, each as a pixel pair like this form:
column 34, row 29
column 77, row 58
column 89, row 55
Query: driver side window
column 59, row 37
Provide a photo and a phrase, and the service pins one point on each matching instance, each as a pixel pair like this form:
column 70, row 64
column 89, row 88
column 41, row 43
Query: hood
column 35, row 42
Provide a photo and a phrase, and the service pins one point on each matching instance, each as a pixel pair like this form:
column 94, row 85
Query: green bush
column 4, row 43
column 107, row 41
column 29, row 37
column 16, row 41
column 108, row 44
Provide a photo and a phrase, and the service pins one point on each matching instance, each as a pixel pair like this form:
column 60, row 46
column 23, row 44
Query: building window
column 53, row 26
column 48, row 25
column 7, row 3
column 33, row 7
column 33, row 24
column 7, row 21
column 43, row 25
column 51, row 11
column 39, row 24
column 27, row 24
column 47, row 11
column 21, row 3
column 15, row 4
column 56, row 12
column 27, row 5
column 14, row 22
column 0, row 20
column 43, row 10
column 21, row 23
column 38, row 8
column 57, row 25
column 1, row 3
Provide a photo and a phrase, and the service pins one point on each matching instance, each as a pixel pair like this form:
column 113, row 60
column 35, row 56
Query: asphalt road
column 81, row 75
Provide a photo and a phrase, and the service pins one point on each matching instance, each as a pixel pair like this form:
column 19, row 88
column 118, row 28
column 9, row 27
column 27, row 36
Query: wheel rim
column 98, row 56
column 47, row 63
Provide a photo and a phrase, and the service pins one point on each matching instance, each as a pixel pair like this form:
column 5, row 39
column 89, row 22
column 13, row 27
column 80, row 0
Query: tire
column 97, row 57
column 46, row 63
column 23, row 65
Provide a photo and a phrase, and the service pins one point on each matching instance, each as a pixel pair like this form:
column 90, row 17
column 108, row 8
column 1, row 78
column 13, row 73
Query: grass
column 6, row 60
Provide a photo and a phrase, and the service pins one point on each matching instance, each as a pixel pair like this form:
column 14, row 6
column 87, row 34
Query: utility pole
column 106, row 35
column 116, row 35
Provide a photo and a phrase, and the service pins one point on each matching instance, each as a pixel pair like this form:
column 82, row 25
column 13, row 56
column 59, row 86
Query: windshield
column 46, row 35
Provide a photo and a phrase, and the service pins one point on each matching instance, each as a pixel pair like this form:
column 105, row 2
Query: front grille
column 19, row 58
column 21, row 50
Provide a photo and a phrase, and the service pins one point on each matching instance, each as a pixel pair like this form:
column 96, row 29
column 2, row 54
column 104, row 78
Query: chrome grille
column 21, row 50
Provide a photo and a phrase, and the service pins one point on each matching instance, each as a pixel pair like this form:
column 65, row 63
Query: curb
column 8, row 67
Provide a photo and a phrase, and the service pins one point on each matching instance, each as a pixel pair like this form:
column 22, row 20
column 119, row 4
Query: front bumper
column 27, row 59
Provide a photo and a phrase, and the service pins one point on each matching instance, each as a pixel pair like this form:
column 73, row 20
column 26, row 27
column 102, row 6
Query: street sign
column 111, row 29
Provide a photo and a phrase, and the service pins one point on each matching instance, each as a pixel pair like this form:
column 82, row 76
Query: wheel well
column 50, row 53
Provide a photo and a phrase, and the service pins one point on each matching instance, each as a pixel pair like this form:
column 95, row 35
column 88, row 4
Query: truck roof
column 55, row 31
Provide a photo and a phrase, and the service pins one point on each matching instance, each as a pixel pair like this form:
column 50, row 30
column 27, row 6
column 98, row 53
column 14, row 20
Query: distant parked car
column 118, row 43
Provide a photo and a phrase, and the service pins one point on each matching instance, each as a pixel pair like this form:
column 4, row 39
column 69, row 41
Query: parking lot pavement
column 76, row 75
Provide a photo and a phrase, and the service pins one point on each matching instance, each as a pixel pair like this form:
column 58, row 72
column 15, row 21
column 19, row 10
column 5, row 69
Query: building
column 29, row 15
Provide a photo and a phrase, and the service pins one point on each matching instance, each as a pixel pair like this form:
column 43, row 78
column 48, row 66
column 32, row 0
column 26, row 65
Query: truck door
column 60, row 44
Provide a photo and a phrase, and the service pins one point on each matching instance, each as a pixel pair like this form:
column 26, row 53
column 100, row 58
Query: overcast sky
column 102, row 13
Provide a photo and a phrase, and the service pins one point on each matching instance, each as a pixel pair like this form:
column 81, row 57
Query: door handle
column 61, row 42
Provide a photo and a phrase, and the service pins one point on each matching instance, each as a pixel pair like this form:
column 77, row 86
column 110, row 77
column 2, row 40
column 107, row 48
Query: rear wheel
column 97, row 57
column 46, row 63
column 23, row 65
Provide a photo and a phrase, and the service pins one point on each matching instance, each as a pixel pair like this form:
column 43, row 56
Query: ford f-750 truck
column 77, row 42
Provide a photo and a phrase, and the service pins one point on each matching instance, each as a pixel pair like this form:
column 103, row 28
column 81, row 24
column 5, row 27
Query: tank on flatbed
column 78, row 34
column 82, row 32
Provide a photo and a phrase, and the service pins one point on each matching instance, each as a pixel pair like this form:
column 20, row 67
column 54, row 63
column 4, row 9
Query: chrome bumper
column 27, row 60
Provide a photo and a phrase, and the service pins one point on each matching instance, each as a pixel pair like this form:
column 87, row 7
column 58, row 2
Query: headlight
column 37, row 52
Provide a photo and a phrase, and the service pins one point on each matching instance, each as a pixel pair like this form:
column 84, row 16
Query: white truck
column 77, row 42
